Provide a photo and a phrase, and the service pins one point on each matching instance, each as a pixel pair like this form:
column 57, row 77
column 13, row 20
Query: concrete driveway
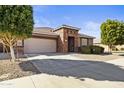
column 67, row 70
column 93, row 73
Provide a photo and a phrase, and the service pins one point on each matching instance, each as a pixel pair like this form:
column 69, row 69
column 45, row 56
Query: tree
column 16, row 23
column 112, row 33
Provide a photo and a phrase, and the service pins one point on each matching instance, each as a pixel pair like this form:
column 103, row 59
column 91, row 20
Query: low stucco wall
column 106, row 47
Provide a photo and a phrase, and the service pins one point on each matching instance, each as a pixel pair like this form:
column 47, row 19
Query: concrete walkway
column 70, row 71
column 52, row 81
column 41, row 81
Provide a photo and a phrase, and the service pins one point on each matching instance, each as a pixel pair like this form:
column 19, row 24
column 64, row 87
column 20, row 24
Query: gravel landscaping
column 11, row 70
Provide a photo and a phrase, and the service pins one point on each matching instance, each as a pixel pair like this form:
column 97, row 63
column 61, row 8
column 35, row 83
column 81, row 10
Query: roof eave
column 87, row 37
column 45, row 35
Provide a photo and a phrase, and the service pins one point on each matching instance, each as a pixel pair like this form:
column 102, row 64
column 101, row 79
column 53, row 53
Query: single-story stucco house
column 62, row 39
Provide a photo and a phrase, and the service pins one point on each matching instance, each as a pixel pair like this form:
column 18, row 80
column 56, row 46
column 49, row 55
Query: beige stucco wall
column 119, row 47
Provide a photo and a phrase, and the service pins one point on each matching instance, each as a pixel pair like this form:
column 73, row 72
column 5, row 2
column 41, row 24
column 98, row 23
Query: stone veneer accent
column 62, row 42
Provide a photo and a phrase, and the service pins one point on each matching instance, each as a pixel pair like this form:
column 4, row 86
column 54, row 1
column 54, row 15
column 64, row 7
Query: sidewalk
column 52, row 81
column 41, row 81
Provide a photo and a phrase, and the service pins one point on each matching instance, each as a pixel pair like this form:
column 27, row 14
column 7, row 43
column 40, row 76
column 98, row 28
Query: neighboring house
column 62, row 39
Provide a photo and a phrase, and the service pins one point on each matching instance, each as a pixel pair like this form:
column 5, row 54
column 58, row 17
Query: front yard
column 74, row 70
column 9, row 70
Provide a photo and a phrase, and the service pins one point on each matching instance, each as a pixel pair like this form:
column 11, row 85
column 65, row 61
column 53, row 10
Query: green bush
column 96, row 49
column 85, row 49
column 91, row 49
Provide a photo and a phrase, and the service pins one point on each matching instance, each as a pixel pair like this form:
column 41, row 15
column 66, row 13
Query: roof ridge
column 67, row 26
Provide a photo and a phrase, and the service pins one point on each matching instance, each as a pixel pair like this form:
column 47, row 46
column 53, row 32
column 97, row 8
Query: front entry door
column 70, row 44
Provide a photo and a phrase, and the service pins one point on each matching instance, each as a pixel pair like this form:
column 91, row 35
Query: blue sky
column 88, row 18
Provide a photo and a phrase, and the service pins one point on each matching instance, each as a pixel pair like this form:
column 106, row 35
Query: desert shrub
column 91, row 49
column 96, row 49
column 85, row 49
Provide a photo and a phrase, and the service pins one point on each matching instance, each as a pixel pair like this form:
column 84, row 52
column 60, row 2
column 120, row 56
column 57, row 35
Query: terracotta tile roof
column 49, row 32
column 44, row 30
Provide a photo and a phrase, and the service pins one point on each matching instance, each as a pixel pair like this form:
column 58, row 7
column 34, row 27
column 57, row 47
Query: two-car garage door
column 39, row 45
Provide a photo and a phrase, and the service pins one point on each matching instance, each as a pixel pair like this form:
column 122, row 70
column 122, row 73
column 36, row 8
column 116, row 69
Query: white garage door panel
column 36, row 45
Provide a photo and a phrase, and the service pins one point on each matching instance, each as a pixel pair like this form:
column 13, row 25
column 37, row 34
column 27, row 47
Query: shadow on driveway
column 79, row 69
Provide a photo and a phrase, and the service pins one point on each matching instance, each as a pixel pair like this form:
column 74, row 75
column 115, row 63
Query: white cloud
column 40, row 8
column 41, row 21
column 91, row 28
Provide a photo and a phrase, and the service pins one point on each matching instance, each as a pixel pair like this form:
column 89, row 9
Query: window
column 84, row 42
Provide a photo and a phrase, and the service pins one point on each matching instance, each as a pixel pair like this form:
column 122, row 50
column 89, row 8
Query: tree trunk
column 109, row 47
column 12, row 53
